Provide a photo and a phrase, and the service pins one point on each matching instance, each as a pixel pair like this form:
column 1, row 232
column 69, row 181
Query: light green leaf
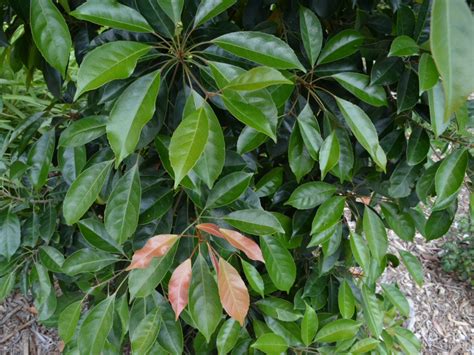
column 39, row 159
column 112, row 14
column 309, row 325
column 310, row 195
column 84, row 191
column 360, row 251
column 359, row 85
column 45, row 297
column 261, row 48
column 87, row 260
column 258, row 78
column 436, row 102
column 7, row 283
column 451, row 37
column 50, row 34
column 403, row 46
column 209, row 9
column 346, row 300
column 364, row 346
column 145, row 333
column 253, row 277
column 328, row 154
column 341, row 45
column 279, row 263
column 172, row 8
column 270, row 344
column 227, row 336
column 188, row 143
column 338, row 330
column 427, row 73
column 132, row 110
column 83, row 131
column 111, row 61
column 123, row 207
column 255, row 222
column 396, row 297
column 375, row 233
column 328, row 214
column 51, row 258
column 372, row 313
column 311, row 34
column 68, row 320
column 413, row 266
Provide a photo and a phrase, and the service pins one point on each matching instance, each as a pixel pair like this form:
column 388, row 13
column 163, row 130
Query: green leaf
column 84, row 191
column 310, row 195
column 338, row 330
column 83, row 131
column 418, row 146
column 427, row 73
column 96, row 327
column 407, row 91
column 425, row 185
column 309, row 325
column 270, row 343
column 132, row 110
column 253, row 277
column 364, row 346
column 328, row 154
column 209, row 9
column 269, row 183
column 204, row 304
column 249, row 139
column 310, row 132
column 386, row 71
column 45, row 297
column 328, row 214
column 278, row 308
column 451, row 38
column 372, row 313
column 413, row 266
column 261, row 48
column 279, row 263
column 299, row 158
column 95, row 234
column 405, row 21
column 396, row 297
column 112, row 14
column 51, row 258
column 39, row 159
column 345, row 300
column 400, row 222
column 450, row 177
column 258, row 78
column 364, row 130
column 360, row 251
column 10, row 232
column 402, row 180
column 111, row 61
column 228, row 189
column 172, row 8
column 375, row 233
column 403, row 46
column 71, row 162
column 145, row 333
column 188, row 143
column 170, row 336
column 255, row 222
column 7, row 283
column 311, row 34
column 50, row 34
column 227, row 336
column 142, row 282
column 68, row 320
column 341, row 45
column 123, row 207
column 359, row 85
column 436, row 102
column 87, row 260
column 160, row 15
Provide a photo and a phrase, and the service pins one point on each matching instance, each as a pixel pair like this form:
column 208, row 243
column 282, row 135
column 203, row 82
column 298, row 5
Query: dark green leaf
column 328, row 214
column 341, row 45
column 299, row 158
column 211, row 8
column 310, row 195
column 68, row 320
column 359, row 85
column 338, row 330
column 328, row 154
column 10, row 232
column 346, row 300
column 39, row 159
column 311, row 34
column 256, row 222
column 87, row 260
column 279, row 263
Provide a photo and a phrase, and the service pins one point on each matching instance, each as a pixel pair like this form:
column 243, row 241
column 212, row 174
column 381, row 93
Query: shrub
column 189, row 146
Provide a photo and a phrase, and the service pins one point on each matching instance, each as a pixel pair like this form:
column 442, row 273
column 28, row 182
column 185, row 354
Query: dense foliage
column 220, row 174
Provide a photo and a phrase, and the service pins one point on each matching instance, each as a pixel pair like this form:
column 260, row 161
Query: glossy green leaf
column 396, row 297
column 400, row 222
column 68, row 320
column 111, row 61
column 87, row 260
column 269, row 183
column 172, row 8
column 310, row 132
column 123, row 207
column 10, row 232
column 364, row 346
column 258, row 78
column 403, row 46
column 51, row 258
column 310, row 195
column 39, row 159
column 170, row 336
column 375, row 233
column 427, row 73
column 413, row 266
column 345, row 300
column 386, row 71
column 228, row 336
column 188, row 143
column 50, row 34
column 261, row 48
column 364, row 130
column 84, row 191
column 249, row 139
column 96, row 326
column 71, row 161
column 83, row 131
column 45, row 297
column 299, row 158
column 279, row 263
column 253, row 277
column 436, row 102
column 402, row 180
column 278, row 308
column 309, row 325
column 359, row 85
column 451, row 38
column 425, row 185
column 204, row 304
column 372, row 313
column 228, row 189
column 270, row 343
column 338, row 330
column 341, row 45
column 113, row 14
column 360, row 251
column 328, row 214
column 211, row 8
column 132, row 110
column 407, row 91
column 418, row 146
column 450, row 177
column 311, row 34
column 405, row 21
column 328, row 154
column 96, row 235
column 256, row 222
column 145, row 333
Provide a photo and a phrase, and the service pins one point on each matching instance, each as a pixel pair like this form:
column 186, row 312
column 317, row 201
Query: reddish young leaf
column 210, row 228
column 232, row 291
column 241, row 242
column 154, row 247
column 178, row 287
column 214, row 261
